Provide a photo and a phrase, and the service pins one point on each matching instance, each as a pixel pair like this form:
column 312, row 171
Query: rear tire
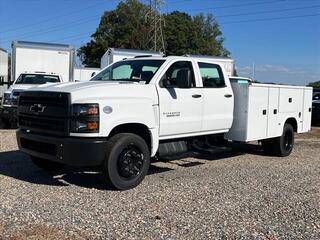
column 127, row 161
column 281, row 146
column 46, row 164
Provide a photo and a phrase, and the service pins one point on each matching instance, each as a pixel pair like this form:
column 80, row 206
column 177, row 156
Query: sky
column 279, row 39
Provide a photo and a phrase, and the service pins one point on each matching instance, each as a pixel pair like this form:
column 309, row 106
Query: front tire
column 127, row 161
column 46, row 165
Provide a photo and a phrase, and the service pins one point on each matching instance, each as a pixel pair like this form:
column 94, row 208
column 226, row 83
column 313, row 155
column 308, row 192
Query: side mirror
column 1, row 80
column 166, row 83
column 184, row 79
column 93, row 74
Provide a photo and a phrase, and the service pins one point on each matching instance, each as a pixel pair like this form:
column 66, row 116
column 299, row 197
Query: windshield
column 132, row 70
column 37, row 79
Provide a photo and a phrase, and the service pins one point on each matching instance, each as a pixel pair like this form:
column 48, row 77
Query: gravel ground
column 241, row 195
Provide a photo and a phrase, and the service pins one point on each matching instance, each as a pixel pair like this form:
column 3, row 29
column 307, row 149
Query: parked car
column 139, row 109
column 316, row 107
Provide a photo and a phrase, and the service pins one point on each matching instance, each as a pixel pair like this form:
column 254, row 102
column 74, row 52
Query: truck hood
column 82, row 92
column 22, row 87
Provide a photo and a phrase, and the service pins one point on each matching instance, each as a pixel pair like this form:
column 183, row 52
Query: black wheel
column 127, row 161
column 285, row 143
column 46, row 164
column 281, row 146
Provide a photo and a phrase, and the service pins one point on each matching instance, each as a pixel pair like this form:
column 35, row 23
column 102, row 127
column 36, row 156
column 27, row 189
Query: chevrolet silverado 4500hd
column 141, row 108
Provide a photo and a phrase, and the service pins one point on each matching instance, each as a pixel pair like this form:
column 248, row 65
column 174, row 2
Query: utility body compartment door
column 274, row 119
column 257, row 113
column 307, row 107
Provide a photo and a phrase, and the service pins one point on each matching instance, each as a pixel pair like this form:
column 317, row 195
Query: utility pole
column 156, row 39
column 253, row 71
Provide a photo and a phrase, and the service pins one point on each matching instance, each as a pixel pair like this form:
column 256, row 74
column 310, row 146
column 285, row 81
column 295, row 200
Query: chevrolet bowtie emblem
column 37, row 108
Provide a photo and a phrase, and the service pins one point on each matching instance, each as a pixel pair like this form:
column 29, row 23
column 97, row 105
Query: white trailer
column 117, row 54
column 42, row 57
column 84, row 74
column 3, row 71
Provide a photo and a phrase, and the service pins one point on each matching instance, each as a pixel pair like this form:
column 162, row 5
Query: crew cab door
column 180, row 106
column 217, row 115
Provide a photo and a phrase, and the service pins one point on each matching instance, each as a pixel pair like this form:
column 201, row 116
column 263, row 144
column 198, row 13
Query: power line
column 155, row 40
column 53, row 18
column 270, row 19
column 270, row 11
column 55, row 29
column 235, row 5
column 256, row 20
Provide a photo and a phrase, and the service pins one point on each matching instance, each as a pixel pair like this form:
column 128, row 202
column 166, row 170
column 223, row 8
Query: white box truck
column 139, row 109
column 117, row 54
column 84, row 74
column 34, row 63
column 3, row 71
column 42, row 57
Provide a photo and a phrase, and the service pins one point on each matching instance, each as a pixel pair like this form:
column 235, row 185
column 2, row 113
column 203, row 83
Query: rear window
column 37, row 79
column 211, row 75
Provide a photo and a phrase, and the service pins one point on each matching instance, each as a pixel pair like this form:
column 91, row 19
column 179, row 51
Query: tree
column 197, row 35
column 124, row 27
column 128, row 27
column 315, row 84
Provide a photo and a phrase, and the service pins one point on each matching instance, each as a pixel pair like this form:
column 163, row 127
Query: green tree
column 315, row 84
column 198, row 35
column 124, row 27
column 127, row 27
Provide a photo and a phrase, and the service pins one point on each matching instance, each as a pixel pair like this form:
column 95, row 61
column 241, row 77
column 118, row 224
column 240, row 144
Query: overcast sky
column 281, row 38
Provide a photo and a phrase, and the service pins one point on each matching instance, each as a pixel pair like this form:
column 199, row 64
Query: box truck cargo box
column 84, row 74
column 3, row 71
column 117, row 54
column 42, row 57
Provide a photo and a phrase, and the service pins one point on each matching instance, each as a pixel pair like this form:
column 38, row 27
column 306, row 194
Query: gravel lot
column 242, row 195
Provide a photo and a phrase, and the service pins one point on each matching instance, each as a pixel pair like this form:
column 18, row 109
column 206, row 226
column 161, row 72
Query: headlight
column 84, row 110
column 85, row 118
column 7, row 99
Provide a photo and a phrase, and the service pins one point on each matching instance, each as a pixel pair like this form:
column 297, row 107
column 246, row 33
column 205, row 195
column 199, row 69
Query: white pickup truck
column 142, row 108
column 8, row 106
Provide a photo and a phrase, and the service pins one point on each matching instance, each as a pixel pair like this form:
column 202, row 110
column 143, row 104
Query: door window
column 212, row 76
column 175, row 71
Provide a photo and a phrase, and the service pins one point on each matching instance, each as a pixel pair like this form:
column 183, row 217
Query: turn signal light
column 92, row 126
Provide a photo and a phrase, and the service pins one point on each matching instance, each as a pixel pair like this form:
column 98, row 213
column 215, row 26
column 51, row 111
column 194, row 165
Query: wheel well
column 293, row 123
column 135, row 128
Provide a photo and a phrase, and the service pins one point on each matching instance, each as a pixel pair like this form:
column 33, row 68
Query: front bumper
column 68, row 150
column 9, row 113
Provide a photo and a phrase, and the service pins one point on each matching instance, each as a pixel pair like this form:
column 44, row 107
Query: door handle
column 196, row 96
column 228, row 95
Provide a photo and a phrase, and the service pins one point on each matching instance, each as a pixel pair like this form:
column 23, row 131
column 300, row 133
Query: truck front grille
column 45, row 112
